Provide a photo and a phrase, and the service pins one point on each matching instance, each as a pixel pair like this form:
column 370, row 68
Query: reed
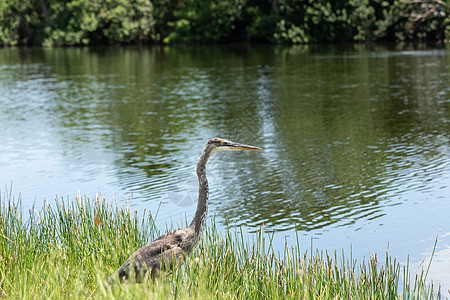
column 69, row 248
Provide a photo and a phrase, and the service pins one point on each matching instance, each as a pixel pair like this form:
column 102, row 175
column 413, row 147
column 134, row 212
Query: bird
column 174, row 246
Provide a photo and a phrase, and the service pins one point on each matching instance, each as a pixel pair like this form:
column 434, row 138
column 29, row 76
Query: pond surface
column 356, row 139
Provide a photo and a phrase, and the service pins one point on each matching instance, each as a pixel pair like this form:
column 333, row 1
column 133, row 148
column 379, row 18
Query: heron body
column 174, row 246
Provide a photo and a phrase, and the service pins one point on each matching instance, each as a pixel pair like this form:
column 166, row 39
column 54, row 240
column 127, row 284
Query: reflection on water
column 356, row 139
column 437, row 269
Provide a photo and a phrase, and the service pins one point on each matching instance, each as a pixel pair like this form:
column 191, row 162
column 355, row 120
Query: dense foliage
column 88, row 22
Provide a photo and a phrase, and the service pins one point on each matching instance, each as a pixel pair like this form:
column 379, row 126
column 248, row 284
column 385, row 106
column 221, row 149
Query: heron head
column 224, row 145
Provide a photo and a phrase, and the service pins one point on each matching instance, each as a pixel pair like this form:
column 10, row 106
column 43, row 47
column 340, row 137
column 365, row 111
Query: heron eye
column 222, row 143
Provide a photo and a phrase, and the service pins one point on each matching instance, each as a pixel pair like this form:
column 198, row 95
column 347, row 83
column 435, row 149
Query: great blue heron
column 175, row 245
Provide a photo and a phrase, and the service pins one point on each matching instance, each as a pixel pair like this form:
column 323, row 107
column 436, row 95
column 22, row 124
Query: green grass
column 62, row 251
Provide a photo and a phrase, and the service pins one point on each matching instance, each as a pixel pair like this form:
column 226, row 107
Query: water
column 356, row 139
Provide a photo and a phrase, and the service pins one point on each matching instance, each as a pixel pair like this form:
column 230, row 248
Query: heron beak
column 237, row 146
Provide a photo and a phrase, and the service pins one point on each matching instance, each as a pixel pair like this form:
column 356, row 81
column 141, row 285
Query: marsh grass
column 69, row 248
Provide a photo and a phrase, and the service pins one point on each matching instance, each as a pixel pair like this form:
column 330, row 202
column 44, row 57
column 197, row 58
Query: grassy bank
column 68, row 249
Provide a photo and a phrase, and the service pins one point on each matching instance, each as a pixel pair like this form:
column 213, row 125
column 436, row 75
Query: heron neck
column 198, row 223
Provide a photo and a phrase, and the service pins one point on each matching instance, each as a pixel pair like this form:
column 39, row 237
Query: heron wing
column 156, row 255
column 174, row 238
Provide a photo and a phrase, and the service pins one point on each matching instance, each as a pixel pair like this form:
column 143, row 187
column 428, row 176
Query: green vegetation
column 90, row 22
column 67, row 250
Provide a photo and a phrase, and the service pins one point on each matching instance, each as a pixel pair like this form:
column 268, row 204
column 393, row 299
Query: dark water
column 356, row 139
